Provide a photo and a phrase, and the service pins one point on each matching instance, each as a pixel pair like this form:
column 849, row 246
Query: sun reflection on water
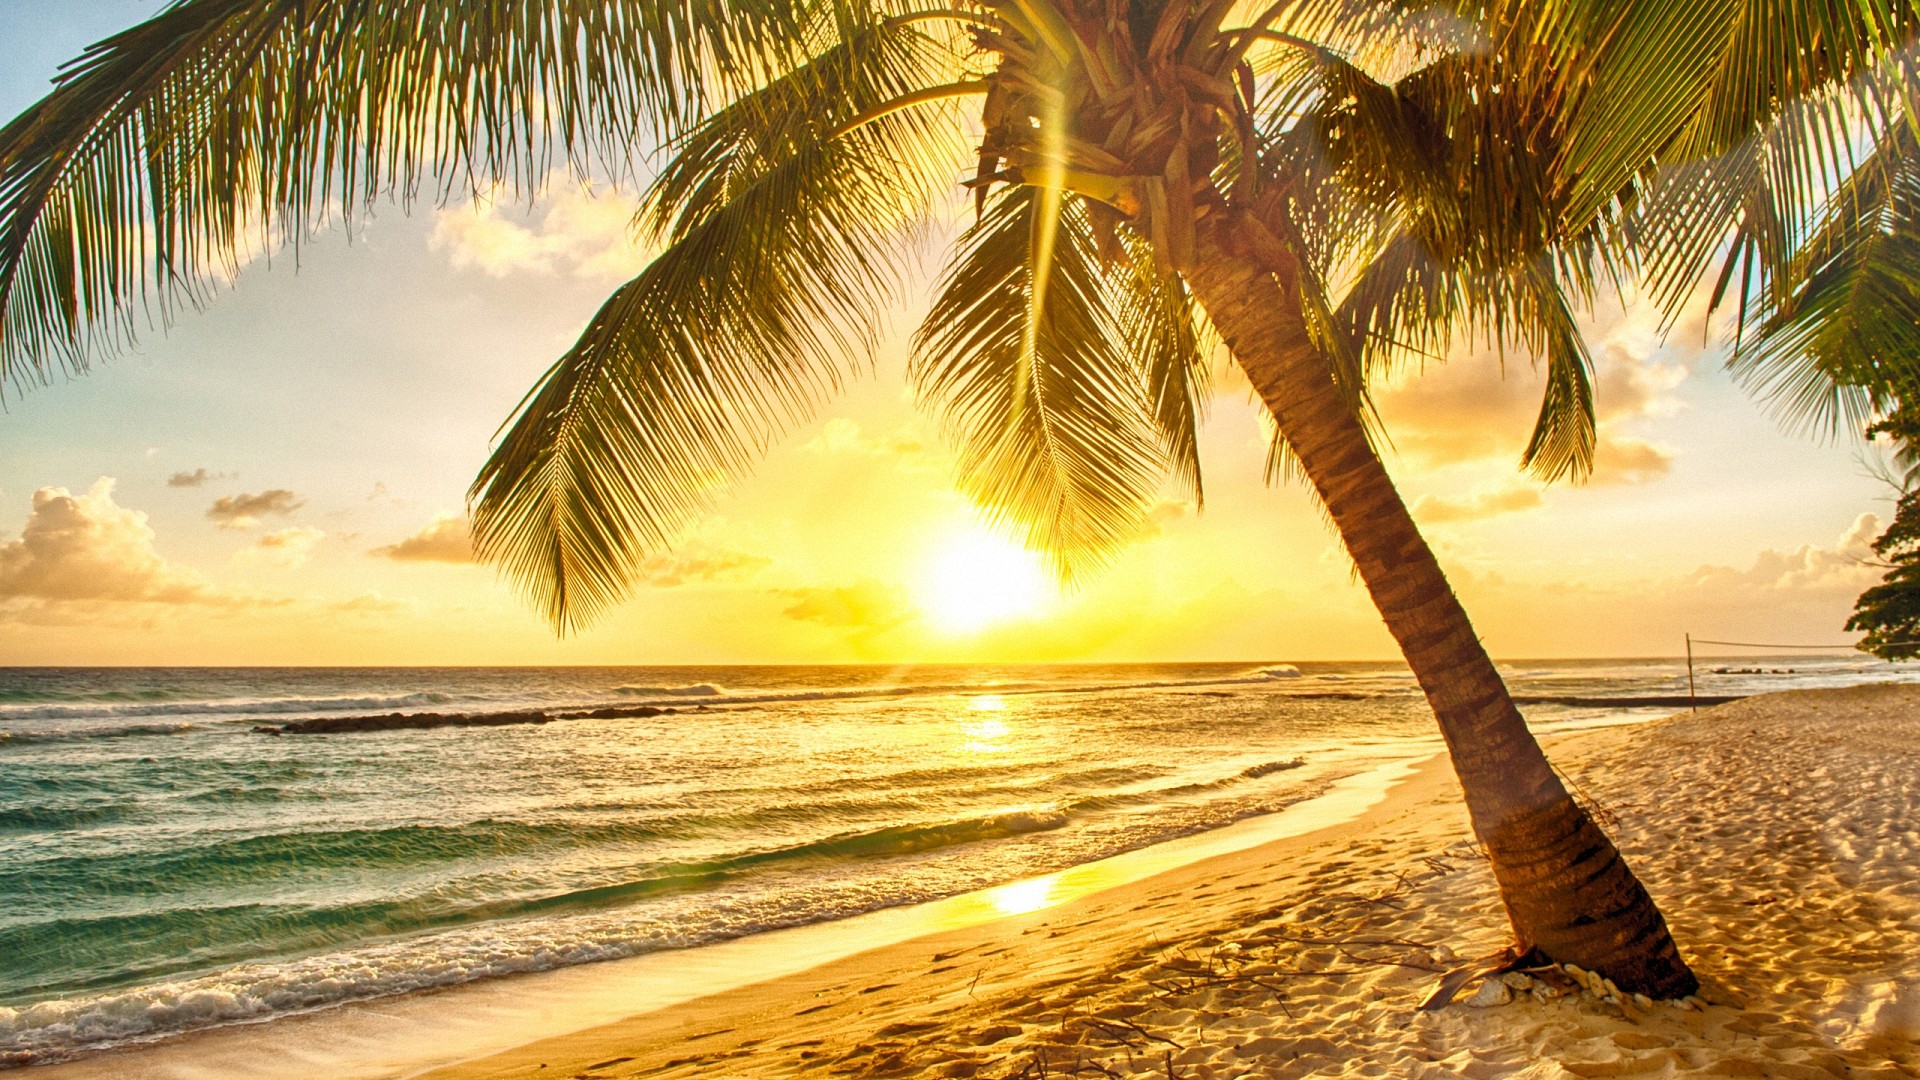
column 981, row 728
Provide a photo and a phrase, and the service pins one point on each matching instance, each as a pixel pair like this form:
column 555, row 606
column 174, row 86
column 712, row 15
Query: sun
column 977, row 580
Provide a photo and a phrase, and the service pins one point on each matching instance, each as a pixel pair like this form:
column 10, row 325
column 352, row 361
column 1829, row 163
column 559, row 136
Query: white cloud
column 865, row 606
column 243, row 511
column 905, row 446
column 1480, row 408
column 700, row 562
column 287, row 548
column 368, row 603
column 1483, row 503
column 87, row 547
column 194, row 479
column 1845, row 567
column 570, row 230
column 444, row 540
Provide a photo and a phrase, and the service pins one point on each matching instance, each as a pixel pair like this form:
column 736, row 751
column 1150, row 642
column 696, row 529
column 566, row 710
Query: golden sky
column 279, row 479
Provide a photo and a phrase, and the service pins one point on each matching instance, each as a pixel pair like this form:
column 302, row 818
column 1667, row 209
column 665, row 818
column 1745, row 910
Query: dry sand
column 1780, row 834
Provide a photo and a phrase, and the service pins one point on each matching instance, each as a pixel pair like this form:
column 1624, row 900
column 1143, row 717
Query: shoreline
column 1780, row 834
column 405, row 1035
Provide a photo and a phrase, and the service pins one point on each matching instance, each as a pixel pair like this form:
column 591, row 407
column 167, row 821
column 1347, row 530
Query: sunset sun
column 977, row 580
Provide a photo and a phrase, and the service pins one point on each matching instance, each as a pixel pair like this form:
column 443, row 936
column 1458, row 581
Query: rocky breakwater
column 334, row 725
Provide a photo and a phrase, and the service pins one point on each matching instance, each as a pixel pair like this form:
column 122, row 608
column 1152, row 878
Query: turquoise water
column 165, row 866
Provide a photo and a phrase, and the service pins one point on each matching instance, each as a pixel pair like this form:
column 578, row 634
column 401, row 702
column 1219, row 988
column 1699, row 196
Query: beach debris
column 1546, row 992
column 1492, row 992
column 1517, row 980
column 1452, row 982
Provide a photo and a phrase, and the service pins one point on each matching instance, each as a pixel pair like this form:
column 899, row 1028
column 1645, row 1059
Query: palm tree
column 1144, row 175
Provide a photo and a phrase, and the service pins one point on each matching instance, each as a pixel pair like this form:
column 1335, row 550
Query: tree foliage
column 1481, row 169
column 1888, row 614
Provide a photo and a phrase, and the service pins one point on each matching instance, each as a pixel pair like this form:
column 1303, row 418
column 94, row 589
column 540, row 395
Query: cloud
column 287, row 548
column 1485, row 503
column 1480, row 407
column 444, row 540
column 368, row 603
column 194, row 479
column 573, row 231
column 1163, row 513
column 1622, row 460
column 243, row 511
column 87, row 547
column 866, row 605
column 1847, row 566
column 447, row 539
column 700, row 563
column 845, row 438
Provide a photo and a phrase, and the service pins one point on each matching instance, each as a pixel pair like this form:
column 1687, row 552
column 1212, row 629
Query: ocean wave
column 694, row 690
column 265, row 856
column 432, row 945
column 1150, row 796
column 37, row 695
column 560, row 930
column 48, row 818
column 737, row 696
column 218, row 707
column 649, row 701
column 124, row 731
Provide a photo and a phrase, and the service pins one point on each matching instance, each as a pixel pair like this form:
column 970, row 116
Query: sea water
column 168, row 863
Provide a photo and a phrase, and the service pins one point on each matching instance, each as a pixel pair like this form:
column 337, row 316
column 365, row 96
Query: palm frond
column 874, row 63
column 219, row 123
column 1840, row 338
column 1564, row 434
column 1156, row 321
column 1056, row 433
column 1694, row 81
column 768, row 295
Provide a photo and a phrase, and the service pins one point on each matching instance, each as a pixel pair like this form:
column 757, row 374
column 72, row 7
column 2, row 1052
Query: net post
column 1692, row 701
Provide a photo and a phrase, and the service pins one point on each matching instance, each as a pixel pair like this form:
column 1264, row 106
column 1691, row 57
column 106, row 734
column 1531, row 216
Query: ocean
column 170, row 861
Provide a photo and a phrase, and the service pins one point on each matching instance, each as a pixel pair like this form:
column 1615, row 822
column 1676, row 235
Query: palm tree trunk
column 1567, row 891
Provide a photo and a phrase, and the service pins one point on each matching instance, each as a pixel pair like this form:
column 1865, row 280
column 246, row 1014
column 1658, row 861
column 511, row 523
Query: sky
column 280, row 479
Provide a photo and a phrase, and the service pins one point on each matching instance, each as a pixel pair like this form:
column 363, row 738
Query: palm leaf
column 1156, row 320
column 1563, row 437
column 1841, row 338
column 165, row 148
column 1056, row 432
column 1690, row 82
column 766, row 298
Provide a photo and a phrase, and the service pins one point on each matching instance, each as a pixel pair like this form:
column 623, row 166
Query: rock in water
column 1492, row 992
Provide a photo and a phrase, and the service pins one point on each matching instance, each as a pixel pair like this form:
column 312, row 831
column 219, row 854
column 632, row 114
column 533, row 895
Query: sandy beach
column 1780, row 834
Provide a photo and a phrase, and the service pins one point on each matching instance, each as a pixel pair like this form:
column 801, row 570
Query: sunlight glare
column 1022, row 897
column 978, row 580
